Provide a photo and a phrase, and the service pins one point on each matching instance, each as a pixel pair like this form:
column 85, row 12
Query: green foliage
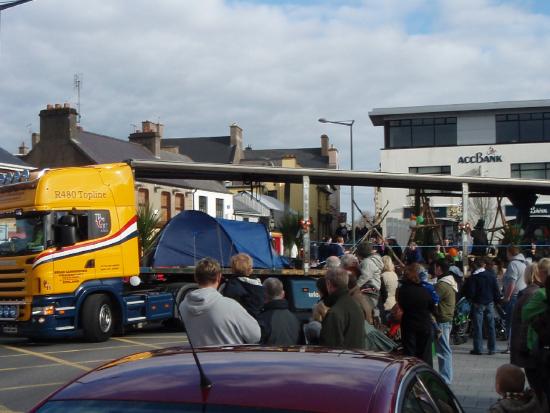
column 511, row 235
column 147, row 224
column 290, row 228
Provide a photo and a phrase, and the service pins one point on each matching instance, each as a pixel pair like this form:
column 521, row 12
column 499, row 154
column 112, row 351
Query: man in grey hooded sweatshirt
column 212, row 319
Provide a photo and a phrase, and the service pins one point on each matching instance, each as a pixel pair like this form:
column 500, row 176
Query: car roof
column 292, row 378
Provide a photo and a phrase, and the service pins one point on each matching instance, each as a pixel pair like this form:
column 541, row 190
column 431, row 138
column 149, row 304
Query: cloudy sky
column 274, row 67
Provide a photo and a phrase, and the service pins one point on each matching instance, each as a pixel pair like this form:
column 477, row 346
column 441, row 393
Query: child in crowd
column 510, row 385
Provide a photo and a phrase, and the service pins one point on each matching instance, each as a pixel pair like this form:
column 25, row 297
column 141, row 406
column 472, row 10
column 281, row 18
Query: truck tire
column 98, row 318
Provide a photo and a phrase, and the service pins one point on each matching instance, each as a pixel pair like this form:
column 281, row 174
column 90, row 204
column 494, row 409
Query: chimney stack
column 333, row 158
column 57, row 125
column 236, row 139
column 150, row 136
column 23, row 149
column 324, row 145
column 35, row 138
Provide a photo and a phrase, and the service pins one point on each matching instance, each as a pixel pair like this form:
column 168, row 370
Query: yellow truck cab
column 68, row 245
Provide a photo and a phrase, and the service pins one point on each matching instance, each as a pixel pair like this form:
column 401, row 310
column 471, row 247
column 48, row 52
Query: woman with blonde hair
column 519, row 352
column 243, row 287
column 389, row 284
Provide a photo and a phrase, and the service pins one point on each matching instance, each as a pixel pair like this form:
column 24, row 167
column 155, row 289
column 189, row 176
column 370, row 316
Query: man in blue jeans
column 446, row 288
column 482, row 290
column 513, row 283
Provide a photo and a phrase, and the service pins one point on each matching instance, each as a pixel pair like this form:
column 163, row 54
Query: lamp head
column 322, row 120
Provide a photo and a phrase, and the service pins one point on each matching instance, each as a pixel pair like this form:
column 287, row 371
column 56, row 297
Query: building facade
column 324, row 200
column 496, row 139
column 63, row 143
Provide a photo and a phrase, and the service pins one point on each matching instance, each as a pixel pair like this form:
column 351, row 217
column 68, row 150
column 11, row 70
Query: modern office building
column 493, row 139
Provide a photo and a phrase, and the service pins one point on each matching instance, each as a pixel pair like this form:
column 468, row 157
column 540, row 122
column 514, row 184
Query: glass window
column 179, row 203
column 430, row 170
column 100, row 224
column 531, row 130
column 165, row 207
column 111, row 406
column 546, row 129
column 522, row 127
column 400, row 137
column 203, row 204
column 417, row 400
column 439, row 392
column 143, row 197
column 219, row 207
column 21, row 235
column 507, row 131
column 445, row 135
column 422, row 132
column 536, row 170
column 422, row 135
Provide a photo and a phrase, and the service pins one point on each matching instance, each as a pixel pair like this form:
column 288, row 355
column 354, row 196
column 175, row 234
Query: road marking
column 31, row 386
column 4, row 409
column 50, row 358
column 137, row 343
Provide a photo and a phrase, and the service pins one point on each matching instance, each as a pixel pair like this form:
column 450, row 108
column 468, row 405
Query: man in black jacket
column 279, row 326
column 343, row 326
column 481, row 289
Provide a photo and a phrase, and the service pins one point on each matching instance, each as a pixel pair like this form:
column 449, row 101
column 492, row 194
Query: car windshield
column 21, row 235
column 109, row 406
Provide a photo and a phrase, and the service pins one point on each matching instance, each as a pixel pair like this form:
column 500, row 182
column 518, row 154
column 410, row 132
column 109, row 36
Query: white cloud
column 200, row 65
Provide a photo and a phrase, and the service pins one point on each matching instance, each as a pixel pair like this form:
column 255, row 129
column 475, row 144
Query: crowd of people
column 362, row 299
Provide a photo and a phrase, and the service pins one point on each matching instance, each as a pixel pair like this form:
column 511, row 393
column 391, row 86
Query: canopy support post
column 465, row 201
column 305, row 189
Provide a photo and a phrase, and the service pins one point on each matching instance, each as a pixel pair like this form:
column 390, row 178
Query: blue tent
column 193, row 235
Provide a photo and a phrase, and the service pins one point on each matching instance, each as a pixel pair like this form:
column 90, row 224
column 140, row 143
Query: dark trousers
column 417, row 344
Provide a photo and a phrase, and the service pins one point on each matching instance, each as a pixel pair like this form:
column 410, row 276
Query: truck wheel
column 97, row 318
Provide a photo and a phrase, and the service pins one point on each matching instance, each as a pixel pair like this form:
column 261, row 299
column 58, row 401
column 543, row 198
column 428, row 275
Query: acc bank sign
column 480, row 157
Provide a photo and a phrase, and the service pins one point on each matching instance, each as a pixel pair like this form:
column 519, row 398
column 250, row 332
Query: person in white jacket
column 211, row 319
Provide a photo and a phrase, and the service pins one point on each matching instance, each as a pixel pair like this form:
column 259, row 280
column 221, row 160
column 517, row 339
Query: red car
column 257, row 379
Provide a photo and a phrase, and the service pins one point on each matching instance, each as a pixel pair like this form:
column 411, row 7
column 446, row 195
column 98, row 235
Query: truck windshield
column 20, row 235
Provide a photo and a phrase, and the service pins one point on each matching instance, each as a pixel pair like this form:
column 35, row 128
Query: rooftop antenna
column 77, row 85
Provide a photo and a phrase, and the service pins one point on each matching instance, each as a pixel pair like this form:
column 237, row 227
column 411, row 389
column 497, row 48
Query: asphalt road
column 30, row 371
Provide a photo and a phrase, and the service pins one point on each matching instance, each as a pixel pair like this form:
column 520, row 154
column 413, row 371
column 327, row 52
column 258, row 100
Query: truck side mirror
column 65, row 231
column 66, row 235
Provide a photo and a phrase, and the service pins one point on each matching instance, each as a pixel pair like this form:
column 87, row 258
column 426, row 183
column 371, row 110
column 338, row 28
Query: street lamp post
column 350, row 124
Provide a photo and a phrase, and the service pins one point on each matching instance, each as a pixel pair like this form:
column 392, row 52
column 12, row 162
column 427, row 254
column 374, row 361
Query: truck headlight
column 47, row 310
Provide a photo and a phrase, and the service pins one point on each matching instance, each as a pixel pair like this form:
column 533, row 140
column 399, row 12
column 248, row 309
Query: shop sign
column 439, row 212
column 479, row 157
column 536, row 211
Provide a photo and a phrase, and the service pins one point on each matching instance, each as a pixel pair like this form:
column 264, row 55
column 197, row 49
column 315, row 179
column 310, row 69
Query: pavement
column 30, row 371
column 474, row 376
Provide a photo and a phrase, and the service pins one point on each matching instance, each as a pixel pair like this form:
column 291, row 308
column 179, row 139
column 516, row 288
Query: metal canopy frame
column 463, row 186
column 145, row 169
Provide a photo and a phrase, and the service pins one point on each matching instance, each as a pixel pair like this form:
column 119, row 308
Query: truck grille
column 12, row 281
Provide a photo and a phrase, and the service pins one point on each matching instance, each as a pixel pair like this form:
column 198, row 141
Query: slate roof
column 211, row 186
column 306, row 157
column 241, row 208
column 7, row 160
column 215, row 149
column 106, row 149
